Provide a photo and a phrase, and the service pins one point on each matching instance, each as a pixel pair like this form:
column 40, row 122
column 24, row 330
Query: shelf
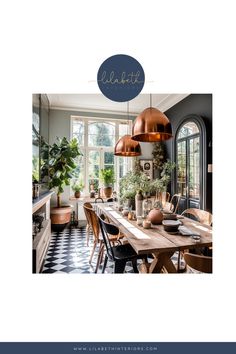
column 40, row 245
column 41, row 241
column 40, row 201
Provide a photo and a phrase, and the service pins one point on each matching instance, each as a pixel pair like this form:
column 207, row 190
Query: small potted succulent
column 77, row 187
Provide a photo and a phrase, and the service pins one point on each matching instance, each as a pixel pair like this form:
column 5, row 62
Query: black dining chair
column 120, row 254
column 173, row 204
column 98, row 200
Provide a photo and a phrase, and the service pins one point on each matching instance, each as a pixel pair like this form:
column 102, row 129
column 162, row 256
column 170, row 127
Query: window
column 97, row 138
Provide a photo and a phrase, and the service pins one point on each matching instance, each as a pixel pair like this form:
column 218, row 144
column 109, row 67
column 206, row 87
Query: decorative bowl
column 171, row 225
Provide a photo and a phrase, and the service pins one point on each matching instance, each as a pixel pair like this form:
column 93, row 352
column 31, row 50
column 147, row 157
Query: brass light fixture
column 151, row 125
column 125, row 146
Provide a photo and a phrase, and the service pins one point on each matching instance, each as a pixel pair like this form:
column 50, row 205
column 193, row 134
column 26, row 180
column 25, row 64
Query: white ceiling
column 99, row 103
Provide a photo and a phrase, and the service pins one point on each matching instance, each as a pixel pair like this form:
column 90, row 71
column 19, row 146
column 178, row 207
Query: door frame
column 198, row 120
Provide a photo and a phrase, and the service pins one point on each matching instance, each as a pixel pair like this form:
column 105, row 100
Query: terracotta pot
column 61, row 215
column 155, row 216
column 107, row 191
column 77, row 194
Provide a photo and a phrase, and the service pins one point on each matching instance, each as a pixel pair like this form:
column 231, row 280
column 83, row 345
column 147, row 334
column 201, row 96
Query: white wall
column 146, row 149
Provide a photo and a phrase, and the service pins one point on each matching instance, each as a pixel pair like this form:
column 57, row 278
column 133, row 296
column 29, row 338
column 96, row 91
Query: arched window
column 190, row 162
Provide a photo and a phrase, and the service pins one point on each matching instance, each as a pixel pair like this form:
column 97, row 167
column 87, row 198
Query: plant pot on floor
column 60, row 217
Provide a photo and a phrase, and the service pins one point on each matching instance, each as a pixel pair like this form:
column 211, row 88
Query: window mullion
column 116, row 158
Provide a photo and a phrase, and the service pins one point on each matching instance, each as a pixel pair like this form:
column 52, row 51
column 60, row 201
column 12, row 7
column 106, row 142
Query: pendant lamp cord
column 127, row 117
column 150, row 100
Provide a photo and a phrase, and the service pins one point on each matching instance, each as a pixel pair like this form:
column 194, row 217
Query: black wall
column 200, row 104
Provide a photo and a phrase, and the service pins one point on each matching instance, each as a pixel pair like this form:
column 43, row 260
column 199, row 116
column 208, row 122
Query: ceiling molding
column 170, row 101
column 92, row 110
column 160, row 101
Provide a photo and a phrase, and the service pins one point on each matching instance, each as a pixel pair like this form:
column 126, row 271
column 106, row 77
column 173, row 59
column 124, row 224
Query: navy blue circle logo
column 120, row 78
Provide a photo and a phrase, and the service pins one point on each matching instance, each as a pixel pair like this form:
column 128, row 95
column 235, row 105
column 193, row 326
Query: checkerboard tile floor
column 68, row 253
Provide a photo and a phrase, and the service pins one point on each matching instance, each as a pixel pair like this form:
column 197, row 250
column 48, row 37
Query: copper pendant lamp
column 125, row 146
column 151, row 125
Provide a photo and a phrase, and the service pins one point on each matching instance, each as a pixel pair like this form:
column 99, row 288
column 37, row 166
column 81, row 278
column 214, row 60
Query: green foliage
column 62, row 155
column 78, row 186
column 132, row 182
column 107, row 176
column 44, row 155
column 35, row 168
column 158, row 154
column 161, row 184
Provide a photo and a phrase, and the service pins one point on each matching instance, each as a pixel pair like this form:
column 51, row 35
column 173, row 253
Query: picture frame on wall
column 147, row 167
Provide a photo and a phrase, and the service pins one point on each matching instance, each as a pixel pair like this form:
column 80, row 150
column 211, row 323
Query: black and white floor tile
column 68, row 253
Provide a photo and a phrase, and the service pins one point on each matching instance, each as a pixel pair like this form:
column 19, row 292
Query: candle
column 146, row 224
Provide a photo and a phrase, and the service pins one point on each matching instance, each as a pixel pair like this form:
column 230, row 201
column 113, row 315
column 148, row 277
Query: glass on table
column 139, row 220
column 147, row 206
column 147, row 224
column 196, row 238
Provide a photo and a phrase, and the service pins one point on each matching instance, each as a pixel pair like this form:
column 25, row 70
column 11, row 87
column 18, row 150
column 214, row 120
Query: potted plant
column 77, row 188
column 132, row 183
column 61, row 163
column 108, row 178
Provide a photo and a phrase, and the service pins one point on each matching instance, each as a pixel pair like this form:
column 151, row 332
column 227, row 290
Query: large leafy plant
column 62, row 163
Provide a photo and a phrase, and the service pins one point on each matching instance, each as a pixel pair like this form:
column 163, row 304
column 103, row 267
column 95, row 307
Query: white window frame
column 86, row 148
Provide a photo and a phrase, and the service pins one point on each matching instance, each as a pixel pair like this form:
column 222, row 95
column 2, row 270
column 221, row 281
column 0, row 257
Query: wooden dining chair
column 87, row 206
column 198, row 262
column 119, row 254
column 97, row 239
column 167, row 197
column 173, row 204
column 94, row 227
column 203, row 216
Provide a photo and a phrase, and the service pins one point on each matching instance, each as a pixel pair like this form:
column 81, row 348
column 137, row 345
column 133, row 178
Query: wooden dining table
column 156, row 241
